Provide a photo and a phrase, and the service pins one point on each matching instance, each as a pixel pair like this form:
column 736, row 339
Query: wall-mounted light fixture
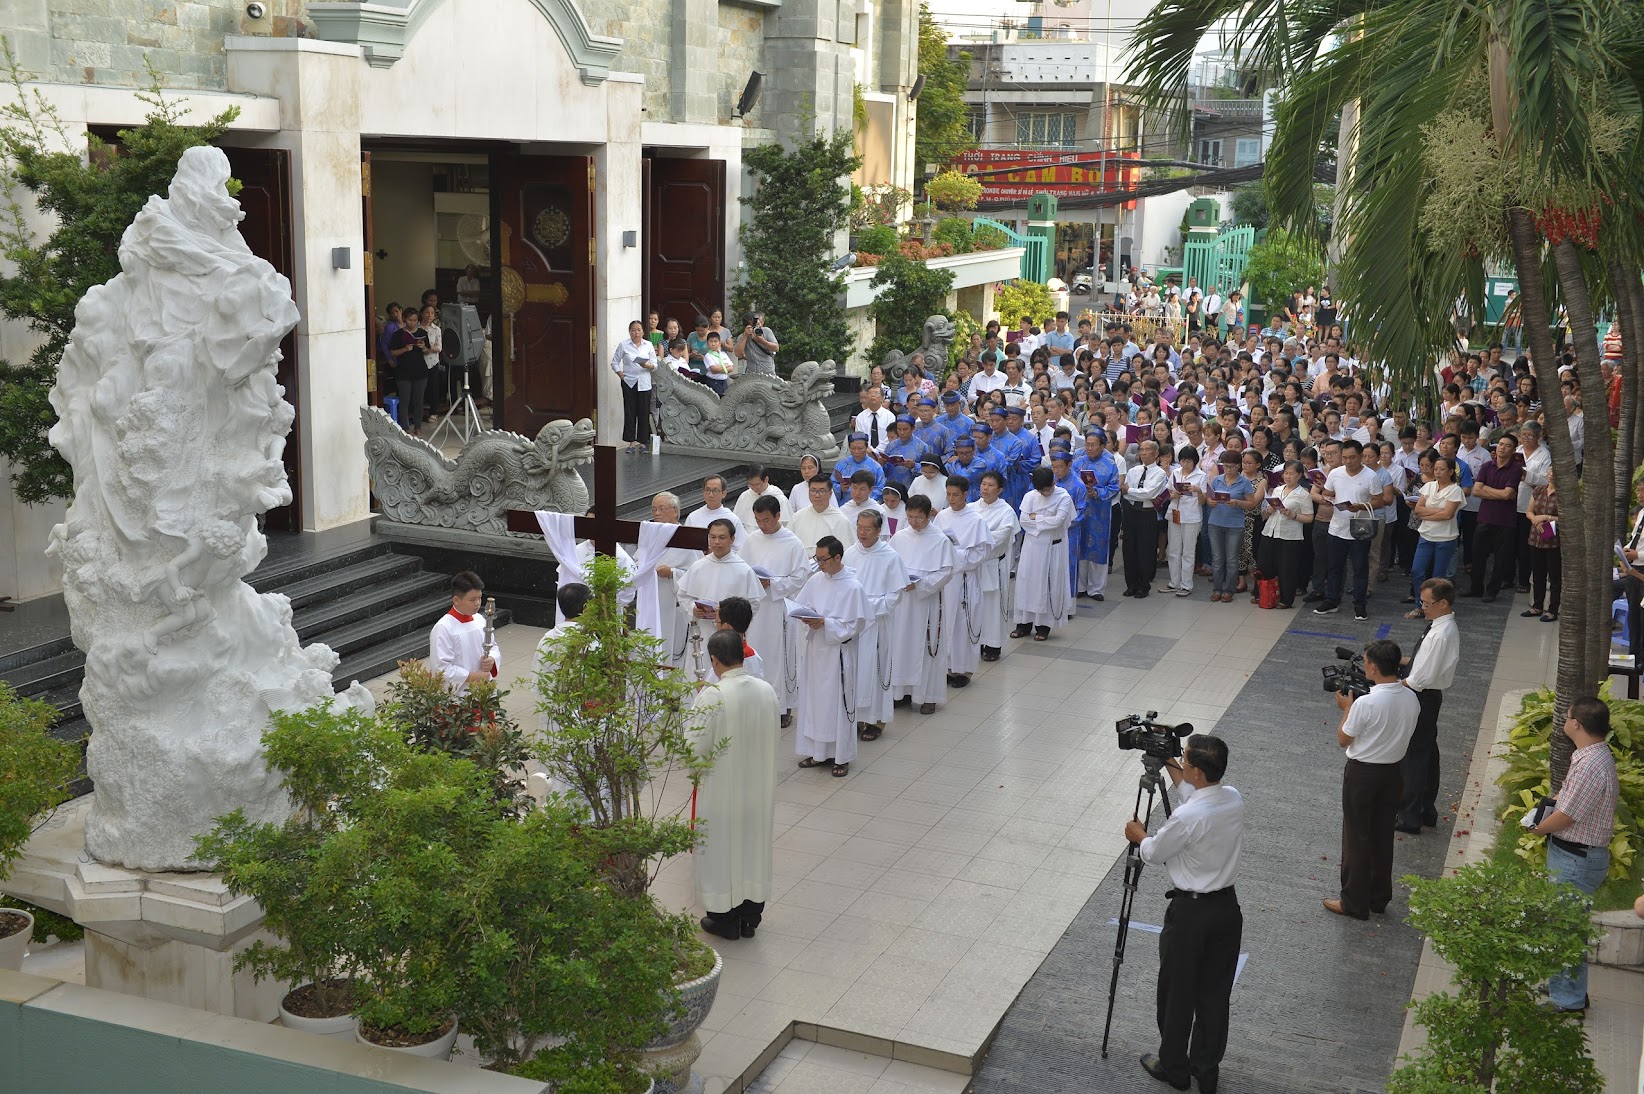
column 630, row 239
column 255, row 11
column 918, row 86
column 342, row 258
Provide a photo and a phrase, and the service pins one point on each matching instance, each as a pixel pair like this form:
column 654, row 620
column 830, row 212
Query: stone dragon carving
column 169, row 415
column 939, row 334
column 759, row 415
column 496, row 471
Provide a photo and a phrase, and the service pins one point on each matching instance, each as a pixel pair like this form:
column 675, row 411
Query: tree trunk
column 1634, row 349
column 1589, row 580
column 1628, row 320
column 1536, row 309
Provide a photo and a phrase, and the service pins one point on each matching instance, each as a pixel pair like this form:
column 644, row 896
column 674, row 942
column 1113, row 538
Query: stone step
column 49, row 674
column 275, row 574
column 332, row 584
column 401, row 619
column 11, row 662
column 365, row 601
column 382, row 658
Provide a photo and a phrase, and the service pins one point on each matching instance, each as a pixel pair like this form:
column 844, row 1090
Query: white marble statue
column 170, row 416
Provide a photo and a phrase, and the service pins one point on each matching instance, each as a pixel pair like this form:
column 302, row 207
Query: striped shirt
column 1589, row 796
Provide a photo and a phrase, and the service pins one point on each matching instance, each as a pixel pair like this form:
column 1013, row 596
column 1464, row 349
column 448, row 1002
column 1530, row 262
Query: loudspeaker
column 750, row 94
column 918, row 86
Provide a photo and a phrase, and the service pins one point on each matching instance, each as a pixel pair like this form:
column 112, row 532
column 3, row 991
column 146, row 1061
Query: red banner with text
column 1015, row 175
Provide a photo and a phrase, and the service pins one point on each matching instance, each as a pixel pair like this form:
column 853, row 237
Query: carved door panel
column 685, row 238
column 544, row 262
column 265, row 177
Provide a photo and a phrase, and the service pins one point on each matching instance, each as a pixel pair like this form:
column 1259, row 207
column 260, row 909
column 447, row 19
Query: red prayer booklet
column 1135, row 434
column 1275, row 477
column 1316, row 476
column 1221, row 495
column 1089, row 476
column 1275, row 502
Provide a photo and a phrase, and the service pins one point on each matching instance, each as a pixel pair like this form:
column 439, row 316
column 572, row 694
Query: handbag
column 1362, row 526
column 1267, row 591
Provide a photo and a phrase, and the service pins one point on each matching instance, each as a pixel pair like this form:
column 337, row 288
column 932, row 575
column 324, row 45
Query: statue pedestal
column 169, row 937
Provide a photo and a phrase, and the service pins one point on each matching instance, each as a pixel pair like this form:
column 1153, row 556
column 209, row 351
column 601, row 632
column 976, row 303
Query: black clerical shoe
column 1206, row 1079
column 905, row 701
column 748, row 930
column 927, row 708
column 958, row 679
column 990, row 653
column 708, row 927
column 1151, row 1065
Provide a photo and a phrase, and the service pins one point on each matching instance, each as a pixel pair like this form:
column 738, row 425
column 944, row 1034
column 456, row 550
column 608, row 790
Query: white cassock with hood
column 735, row 802
column 711, row 579
column 994, row 573
column 825, row 719
column 773, row 635
column 918, row 660
column 883, row 577
column 962, row 608
column 1043, row 598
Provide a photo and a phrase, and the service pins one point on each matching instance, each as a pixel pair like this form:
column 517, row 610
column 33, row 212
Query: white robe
column 1043, row 598
column 773, row 634
column 935, row 488
column 745, row 503
column 712, row 579
column 542, row 664
column 455, row 650
column 752, row 664
column 850, row 511
column 810, row 526
column 883, row 577
column 736, row 802
column 895, row 520
column 701, row 518
column 825, row 724
column 799, row 498
column 962, row 610
column 674, row 630
column 918, row 660
column 995, row 571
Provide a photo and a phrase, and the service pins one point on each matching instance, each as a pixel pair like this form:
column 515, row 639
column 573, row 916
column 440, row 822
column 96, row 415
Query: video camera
column 1146, row 733
column 1348, row 678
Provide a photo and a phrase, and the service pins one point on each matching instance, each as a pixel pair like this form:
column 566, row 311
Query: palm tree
column 1506, row 130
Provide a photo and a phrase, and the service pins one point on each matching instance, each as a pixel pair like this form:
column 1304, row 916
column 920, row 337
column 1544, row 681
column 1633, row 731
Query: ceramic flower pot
column 341, row 1026
column 13, row 946
column 437, row 1049
column 669, row 1058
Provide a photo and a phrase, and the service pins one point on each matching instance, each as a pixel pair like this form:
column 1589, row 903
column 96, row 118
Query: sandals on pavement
column 809, row 762
column 841, row 770
column 869, row 732
column 1550, row 617
column 1413, row 615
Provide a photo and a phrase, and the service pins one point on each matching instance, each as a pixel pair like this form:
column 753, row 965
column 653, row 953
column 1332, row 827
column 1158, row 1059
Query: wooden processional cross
column 601, row 527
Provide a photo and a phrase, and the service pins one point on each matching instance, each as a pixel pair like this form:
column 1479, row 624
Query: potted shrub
column 35, row 772
column 474, row 725
column 616, row 725
column 328, row 757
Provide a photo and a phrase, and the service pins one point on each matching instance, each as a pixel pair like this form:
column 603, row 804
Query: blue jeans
column 1434, row 558
column 1341, row 551
column 1568, row 989
column 1224, row 557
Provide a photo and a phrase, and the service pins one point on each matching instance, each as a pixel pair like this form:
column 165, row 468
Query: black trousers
column 1467, row 525
column 1546, row 568
column 1370, row 795
column 1493, row 551
column 636, row 415
column 1281, row 558
column 1141, row 546
column 1522, row 549
column 1198, row 955
column 1320, row 575
column 1420, row 767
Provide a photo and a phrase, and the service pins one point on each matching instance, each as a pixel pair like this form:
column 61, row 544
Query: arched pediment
column 385, row 28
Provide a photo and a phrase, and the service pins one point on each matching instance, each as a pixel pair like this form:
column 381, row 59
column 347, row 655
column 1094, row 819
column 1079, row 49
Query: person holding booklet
column 1288, row 512
column 1434, row 502
column 1144, row 483
column 713, row 577
column 1183, row 519
column 1230, row 496
column 883, row 577
column 833, row 609
column 1044, row 597
column 1103, row 479
column 782, row 565
column 996, row 569
column 1061, row 465
column 919, row 657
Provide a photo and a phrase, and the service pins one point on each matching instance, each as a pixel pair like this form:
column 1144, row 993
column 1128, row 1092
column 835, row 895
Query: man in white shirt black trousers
column 1432, row 669
column 1199, row 946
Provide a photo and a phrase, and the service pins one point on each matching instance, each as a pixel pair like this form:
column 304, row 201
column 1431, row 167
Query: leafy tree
column 1022, row 297
column 942, row 125
column 800, row 205
column 93, row 198
column 1505, row 929
column 35, row 772
column 910, row 293
column 953, row 190
column 1249, row 206
column 1489, row 133
column 1280, row 265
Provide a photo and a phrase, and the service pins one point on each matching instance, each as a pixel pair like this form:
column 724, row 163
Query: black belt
column 1579, row 850
column 1140, row 504
column 1054, row 542
column 1172, row 894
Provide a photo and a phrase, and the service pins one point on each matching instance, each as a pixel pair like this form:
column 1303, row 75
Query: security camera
column 255, row 11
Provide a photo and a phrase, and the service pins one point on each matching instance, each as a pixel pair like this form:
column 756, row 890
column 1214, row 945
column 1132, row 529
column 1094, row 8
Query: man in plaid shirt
column 1578, row 830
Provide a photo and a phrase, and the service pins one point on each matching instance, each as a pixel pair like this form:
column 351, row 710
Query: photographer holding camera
column 1375, row 729
column 1199, row 947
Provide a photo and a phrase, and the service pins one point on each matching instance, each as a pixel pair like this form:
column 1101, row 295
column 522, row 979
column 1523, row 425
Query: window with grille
column 1047, row 130
column 1210, row 152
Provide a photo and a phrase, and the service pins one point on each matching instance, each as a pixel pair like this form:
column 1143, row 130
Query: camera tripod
column 1153, row 785
column 470, row 424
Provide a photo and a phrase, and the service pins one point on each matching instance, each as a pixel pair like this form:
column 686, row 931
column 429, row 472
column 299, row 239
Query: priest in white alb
column 674, row 562
column 883, row 578
column 860, row 499
column 759, row 486
column 718, row 574
column 456, row 646
column 1043, row 599
column 972, row 544
column 919, row 658
column 821, row 517
column 736, row 799
column 995, row 571
column 777, row 551
column 714, row 508
column 833, row 609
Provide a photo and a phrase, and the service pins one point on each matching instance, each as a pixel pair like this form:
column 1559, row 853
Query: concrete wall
column 63, row 1037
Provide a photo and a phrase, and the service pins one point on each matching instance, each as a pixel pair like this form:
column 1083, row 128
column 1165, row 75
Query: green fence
column 1035, row 249
column 1219, row 263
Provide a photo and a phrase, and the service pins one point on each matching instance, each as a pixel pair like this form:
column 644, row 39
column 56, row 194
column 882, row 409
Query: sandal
column 1534, row 610
column 1041, row 638
column 1550, row 617
column 809, row 762
column 1021, row 632
column 869, row 733
column 841, row 770
column 1413, row 615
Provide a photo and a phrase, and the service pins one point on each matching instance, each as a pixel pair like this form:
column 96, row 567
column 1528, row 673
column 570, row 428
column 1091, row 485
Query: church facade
column 584, row 155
